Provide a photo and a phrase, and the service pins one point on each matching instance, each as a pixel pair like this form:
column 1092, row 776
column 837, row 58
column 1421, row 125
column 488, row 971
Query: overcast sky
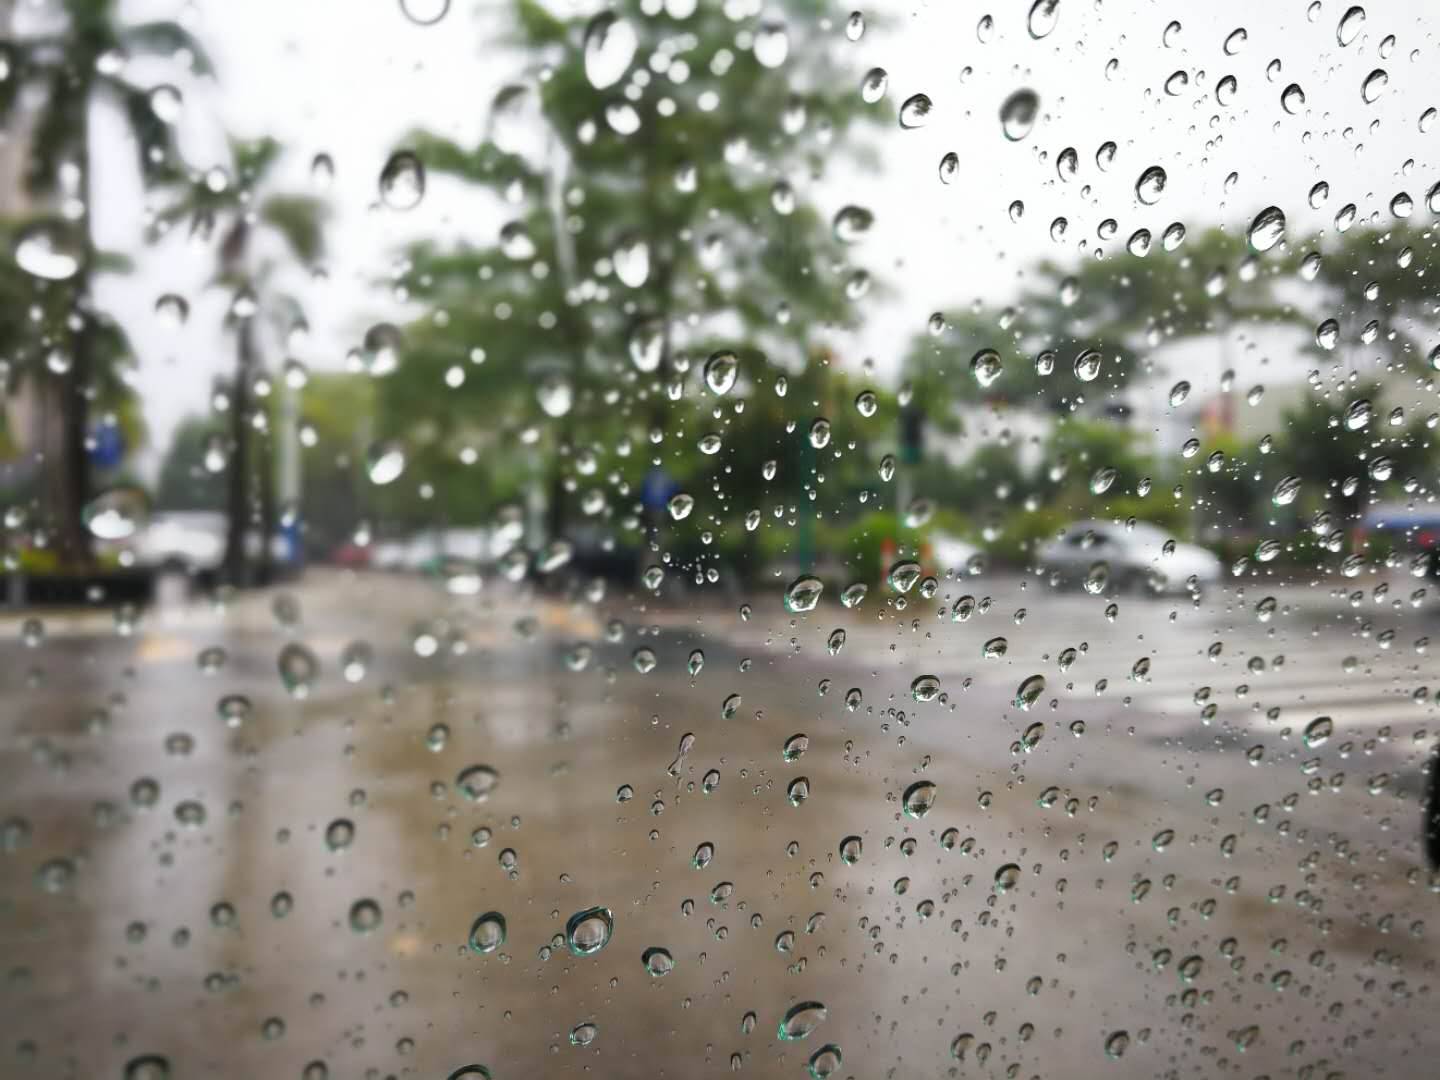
column 349, row 77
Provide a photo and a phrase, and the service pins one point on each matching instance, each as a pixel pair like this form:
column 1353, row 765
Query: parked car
column 951, row 553
column 1139, row 556
column 1411, row 531
column 184, row 541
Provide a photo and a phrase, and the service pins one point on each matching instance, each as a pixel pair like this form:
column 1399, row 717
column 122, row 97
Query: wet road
column 1231, row 899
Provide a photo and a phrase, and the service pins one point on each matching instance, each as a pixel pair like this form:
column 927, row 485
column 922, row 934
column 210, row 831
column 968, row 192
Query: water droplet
column 1292, row 99
column 477, row 782
column 1327, row 334
column 1374, row 85
column 425, row 13
column 852, row 223
column 721, row 371
column 800, row 1020
column 365, row 916
column 610, row 44
column 1116, row 1043
column 1018, row 113
column 1007, row 877
column 384, row 462
column 904, row 574
column 588, row 931
column 1151, row 185
column 49, row 250
column 798, row 790
column 402, row 181
column 1176, row 83
column 772, row 44
column 487, row 933
column 1087, row 365
column 825, row 1062
column 949, row 167
column 1267, row 230
column 1235, row 41
column 1348, row 29
column 874, row 85
column 803, row 594
column 1044, row 14
column 915, row 113
column 583, row 1034
column 658, row 962
column 1067, row 164
column 852, row 595
column 1318, row 731
column 1226, row 89
column 1286, row 490
column 925, row 688
column 298, row 669
column 855, row 26
column 919, row 797
column 820, row 433
column 850, row 849
column 1029, row 691
column 680, row 505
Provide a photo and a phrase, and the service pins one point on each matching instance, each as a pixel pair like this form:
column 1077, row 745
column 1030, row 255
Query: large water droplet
column 803, row 594
column 384, row 462
column 720, row 372
column 610, row 44
column 1029, row 691
column 1044, row 14
column 1292, row 99
column 1374, row 85
column 1018, row 113
column 49, row 250
column 1348, row 29
column 1151, row 185
column 298, row 668
column 116, row 514
column 588, row 931
column 916, row 111
column 852, row 223
column 1267, row 230
column 487, row 933
column 800, row 1020
column 772, row 44
column 919, row 797
column 402, row 181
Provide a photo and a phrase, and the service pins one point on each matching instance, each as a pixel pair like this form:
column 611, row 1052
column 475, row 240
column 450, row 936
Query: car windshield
column 668, row 539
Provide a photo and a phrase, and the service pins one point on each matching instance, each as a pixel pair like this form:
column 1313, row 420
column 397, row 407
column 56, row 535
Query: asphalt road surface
column 1132, row 877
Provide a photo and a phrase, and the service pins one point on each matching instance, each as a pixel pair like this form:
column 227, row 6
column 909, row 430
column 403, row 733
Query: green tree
column 665, row 217
column 185, row 481
column 244, row 213
column 74, row 53
column 1121, row 307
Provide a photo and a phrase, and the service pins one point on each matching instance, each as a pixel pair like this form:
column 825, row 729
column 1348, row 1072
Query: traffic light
column 912, row 435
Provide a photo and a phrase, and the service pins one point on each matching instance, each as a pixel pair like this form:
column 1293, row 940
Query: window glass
column 659, row 538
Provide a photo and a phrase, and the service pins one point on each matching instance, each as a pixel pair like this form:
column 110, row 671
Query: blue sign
column 656, row 489
column 109, row 447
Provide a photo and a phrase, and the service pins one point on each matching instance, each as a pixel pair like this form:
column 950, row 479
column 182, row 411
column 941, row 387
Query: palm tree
column 246, row 273
column 75, row 53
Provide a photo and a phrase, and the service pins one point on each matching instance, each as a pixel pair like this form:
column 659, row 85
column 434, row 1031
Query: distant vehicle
column 1140, row 557
column 951, row 553
column 1410, row 530
column 184, row 541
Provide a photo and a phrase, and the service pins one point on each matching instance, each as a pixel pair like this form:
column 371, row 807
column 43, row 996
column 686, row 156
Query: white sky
column 349, row 77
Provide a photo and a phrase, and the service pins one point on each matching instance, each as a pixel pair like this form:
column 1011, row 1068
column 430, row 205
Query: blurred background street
column 223, row 937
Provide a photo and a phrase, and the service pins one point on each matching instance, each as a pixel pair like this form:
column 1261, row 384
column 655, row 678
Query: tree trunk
column 237, row 494
column 70, row 472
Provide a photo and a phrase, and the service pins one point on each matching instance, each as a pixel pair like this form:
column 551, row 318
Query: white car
column 189, row 541
column 951, row 553
column 1139, row 556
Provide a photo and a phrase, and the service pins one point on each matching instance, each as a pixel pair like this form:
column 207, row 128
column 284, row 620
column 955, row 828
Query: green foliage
column 738, row 258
